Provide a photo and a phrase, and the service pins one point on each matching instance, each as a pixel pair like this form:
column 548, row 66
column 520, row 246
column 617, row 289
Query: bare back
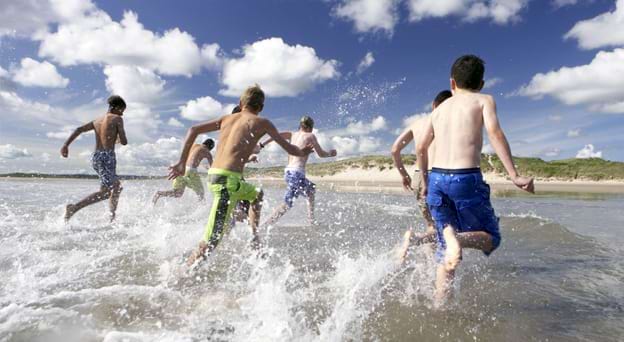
column 108, row 128
column 239, row 134
column 301, row 140
column 458, row 130
column 198, row 153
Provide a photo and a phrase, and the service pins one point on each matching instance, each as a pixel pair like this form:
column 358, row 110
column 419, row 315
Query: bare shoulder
column 486, row 99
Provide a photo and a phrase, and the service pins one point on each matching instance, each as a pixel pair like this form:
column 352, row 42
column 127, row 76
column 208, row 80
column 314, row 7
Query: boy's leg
column 95, row 197
column 410, row 238
column 277, row 214
column 254, row 218
column 310, row 199
column 169, row 193
column 114, row 198
column 444, row 279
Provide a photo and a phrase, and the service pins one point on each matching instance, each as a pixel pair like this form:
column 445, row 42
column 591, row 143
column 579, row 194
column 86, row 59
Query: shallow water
column 557, row 277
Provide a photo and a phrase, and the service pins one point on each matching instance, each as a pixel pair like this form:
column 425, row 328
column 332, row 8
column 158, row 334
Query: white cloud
column 573, row 133
column 25, row 17
column 555, row 118
column 378, row 123
column 148, row 156
column 203, row 108
column 605, row 30
column 598, row 84
column 10, row 152
column 350, row 146
column 134, row 84
column 492, row 82
column 63, row 134
column 552, row 152
column 13, row 103
column 280, row 69
column 92, row 37
column 45, row 157
column 562, row 3
column 366, row 62
column 32, row 73
column 588, row 152
column 499, row 11
column 173, row 122
column 410, row 120
column 370, row 15
column 3, row 72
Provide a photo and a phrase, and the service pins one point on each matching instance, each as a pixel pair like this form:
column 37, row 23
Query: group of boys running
column 449, row 187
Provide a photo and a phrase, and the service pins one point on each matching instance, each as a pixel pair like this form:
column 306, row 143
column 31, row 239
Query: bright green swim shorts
column 227, row 189
column 191, row 180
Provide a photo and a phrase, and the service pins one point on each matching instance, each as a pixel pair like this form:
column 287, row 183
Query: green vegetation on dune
column 568, row 169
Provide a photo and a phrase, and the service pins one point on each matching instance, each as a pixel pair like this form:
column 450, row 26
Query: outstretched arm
column 208, row 126
column 84, row 128
column 501, row 146
column 285, row 135
column 400, row 143
column 288, row 147
column 320, row 151
column 422, row 155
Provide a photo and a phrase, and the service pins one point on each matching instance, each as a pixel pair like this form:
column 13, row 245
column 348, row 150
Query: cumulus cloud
column 412, row 119
column 562, row 3
column 11, row 152
column 588, row 151
column 366, row 62
column 499, row 11
column 280, row 69
column 173, row 122
column 201, row 109
column 378, row 123
column 369, row 15
column 32, row 73
column 492, row 82
column 598, row 84
column 11, row 102
column 605, row 30
column 573, row 133
column 552, row 152
column 14, row 22
column 92, row 37
column 62, row 134
column 147, row 156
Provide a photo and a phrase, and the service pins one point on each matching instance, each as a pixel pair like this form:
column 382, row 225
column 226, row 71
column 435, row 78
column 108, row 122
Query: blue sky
column 361, row 68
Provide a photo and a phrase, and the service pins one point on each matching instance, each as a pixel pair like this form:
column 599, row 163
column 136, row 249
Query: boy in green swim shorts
column 191, row 177
column 238, row 136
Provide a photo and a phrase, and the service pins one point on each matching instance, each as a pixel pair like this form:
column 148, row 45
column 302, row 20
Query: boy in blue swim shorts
column 294, row 174
column 109, row 130
column 457, row 196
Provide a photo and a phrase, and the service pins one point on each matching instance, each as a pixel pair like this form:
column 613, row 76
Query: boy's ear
column 453, row 85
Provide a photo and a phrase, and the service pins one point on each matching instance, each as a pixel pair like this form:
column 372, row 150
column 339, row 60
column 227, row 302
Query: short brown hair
column 253, row 97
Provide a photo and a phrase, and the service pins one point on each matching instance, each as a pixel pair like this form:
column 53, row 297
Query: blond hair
column 253, row 97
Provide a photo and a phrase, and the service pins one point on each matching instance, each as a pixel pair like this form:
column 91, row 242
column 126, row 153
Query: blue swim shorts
column 297, row 185
column 104, row 163
column 461, row 199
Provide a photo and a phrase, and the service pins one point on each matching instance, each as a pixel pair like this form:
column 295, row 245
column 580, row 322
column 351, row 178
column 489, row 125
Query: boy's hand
column 64, row 151
column 176, row 170
column 524, row 183
column 423, row 189
column 333, row 153
column 253, row 159
column 407, row 183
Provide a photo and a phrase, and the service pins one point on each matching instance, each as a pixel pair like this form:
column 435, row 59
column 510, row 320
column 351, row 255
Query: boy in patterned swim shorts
column 109, row 129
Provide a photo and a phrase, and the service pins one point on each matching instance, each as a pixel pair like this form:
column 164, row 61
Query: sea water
column 557, row 276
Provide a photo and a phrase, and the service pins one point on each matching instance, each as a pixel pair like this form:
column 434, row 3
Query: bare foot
column 453, row 253
column 70, row 210
column 198, row 255
column 402, row 252
column 155, row 199
column 112, row 217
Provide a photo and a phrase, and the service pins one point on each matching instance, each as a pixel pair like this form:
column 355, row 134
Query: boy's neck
column 459, row 90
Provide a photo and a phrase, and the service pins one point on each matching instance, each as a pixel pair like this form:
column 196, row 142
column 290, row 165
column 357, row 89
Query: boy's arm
column 121, row 133
column 288, row 147
column 422, row 155
column 285, row 135
column 501, row 146
column 205, row 127
column 400, row 143
column 84, row 128
column 320, row 151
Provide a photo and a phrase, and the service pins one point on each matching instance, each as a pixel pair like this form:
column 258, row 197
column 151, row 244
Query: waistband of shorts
column 457, row 171
column 294, row 169
column 103, row 152
column 223, row 172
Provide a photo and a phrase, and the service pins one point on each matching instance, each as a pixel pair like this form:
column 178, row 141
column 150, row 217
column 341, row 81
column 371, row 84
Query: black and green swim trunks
column 227, row 188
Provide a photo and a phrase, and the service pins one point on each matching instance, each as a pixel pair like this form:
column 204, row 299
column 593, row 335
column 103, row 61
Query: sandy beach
column 389, row 181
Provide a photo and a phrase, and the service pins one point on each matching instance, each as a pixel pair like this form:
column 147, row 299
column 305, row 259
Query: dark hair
column 467, row 71
column 441, row 97
column 236, row 109
column 306, row 122
column 116, row 102
column 209, row 143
